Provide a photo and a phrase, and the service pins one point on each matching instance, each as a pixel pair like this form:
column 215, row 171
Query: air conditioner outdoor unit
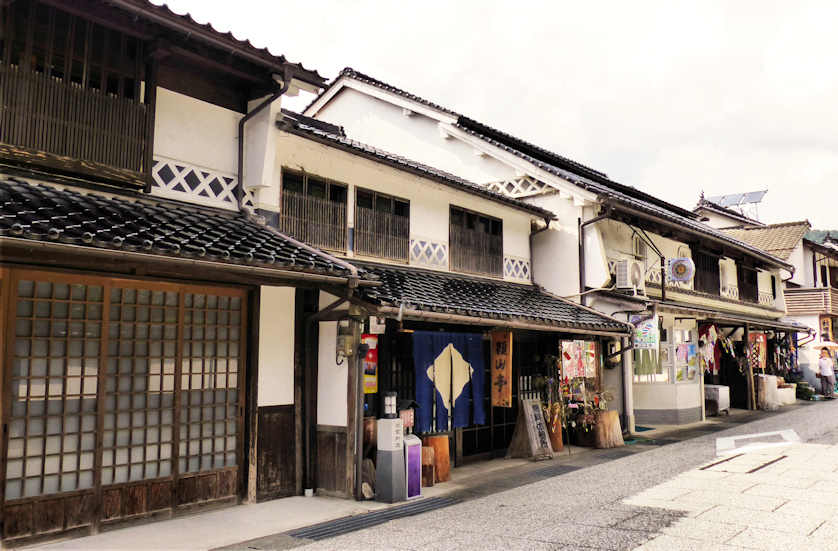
column 630, row 277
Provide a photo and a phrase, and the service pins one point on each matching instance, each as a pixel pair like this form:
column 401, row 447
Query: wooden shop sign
column 502, row 369
column 530, row 437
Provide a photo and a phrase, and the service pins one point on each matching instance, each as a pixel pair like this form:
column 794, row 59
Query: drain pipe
column 286, row 83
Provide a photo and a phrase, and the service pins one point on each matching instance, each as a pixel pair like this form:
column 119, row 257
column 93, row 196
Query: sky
column 673, row 98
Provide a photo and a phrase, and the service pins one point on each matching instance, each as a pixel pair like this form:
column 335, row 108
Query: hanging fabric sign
column 758, row 350
column 449, row 380
column 370, row 364
column 710, row 354
column 646, row 332
column 579, row 359
column 502, row 369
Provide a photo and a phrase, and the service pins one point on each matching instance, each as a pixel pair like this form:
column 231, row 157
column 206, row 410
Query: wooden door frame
column 10, row 276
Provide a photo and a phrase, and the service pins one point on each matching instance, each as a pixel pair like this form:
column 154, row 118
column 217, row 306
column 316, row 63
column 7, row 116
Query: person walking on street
column 825, row 366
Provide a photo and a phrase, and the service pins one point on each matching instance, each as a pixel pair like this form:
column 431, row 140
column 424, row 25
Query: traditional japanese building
column 610, row 244
column 152, row 324
column 451, row 258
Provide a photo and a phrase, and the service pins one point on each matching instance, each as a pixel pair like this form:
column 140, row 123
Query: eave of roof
column 148, row 229
column 627, row 204
column 295, row 124
column 163, row 15
column 465, row 295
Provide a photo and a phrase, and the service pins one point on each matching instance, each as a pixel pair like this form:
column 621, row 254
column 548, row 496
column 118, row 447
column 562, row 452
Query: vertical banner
column 758, row 350
column 370, row 364
column 502, row 369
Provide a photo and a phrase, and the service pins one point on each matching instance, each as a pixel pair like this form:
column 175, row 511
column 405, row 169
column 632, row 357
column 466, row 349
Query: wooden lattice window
column 139, row 387
column 748, row 283
column 382, row 225
column 209, row 410
column 313, row 210
column 56, row 358
column 121, row 397
column 707, row 273
column 476, row 242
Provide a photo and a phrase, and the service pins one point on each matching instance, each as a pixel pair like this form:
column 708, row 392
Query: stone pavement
column 595, row 509
column 779, row 497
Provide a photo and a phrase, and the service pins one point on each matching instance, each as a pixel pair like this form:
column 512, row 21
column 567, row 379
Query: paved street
column 658, row 499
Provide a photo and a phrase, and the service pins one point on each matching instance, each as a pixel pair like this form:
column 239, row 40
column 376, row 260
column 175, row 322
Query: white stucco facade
column 276, row 346
column 430, row 201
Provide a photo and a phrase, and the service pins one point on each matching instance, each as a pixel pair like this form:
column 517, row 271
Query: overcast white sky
column 672, row 98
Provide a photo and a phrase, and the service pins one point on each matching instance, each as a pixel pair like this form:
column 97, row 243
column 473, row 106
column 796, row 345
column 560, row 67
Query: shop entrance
column 120, row 398
column 476, row 441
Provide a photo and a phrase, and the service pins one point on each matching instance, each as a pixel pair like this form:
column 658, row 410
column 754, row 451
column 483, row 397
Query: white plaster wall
column 727, row 272
column 382, row 124
column 797, row 259
column 195, row 131
column 429, row 200
column 809, row 274
column 276, row 346
column 667, row 396
column 617, row 239
column 556, row 251
column 719, row 220
column 332, row 379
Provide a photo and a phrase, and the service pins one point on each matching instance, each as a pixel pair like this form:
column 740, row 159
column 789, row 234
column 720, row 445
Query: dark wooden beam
column 68, row 166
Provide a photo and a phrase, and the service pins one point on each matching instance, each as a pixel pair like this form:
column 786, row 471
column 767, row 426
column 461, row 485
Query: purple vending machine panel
column 413, row 465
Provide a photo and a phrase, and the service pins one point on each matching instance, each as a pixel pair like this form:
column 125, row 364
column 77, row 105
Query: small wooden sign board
column 530, row 438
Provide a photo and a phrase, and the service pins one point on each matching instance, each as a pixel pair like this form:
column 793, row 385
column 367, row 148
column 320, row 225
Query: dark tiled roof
column 693, row 226
column 43, row 213
column 539, row 156
column 591, row 181
column 313, row 129
column 162, row 14
column 434, row 291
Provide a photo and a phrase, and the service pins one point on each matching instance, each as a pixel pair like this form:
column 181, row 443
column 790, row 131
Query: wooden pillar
column 749, row 372
column 150, row 100
column 628, row 389
column 250, row 470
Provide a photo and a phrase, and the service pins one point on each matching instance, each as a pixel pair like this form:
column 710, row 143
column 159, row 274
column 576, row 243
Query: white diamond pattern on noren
column 748, row 442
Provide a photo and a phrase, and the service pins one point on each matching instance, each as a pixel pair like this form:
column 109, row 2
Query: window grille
column 382, row 225
column 476, row 243
column 313, row 210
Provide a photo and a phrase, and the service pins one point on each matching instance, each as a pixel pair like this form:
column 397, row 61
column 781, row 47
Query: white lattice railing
column 730, row 291
column 766, row 299
column 183, row 181
column 521, row 186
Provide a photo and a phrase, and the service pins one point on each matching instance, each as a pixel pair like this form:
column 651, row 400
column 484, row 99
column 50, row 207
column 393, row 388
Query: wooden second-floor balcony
column 812, row 300
column 72, row 95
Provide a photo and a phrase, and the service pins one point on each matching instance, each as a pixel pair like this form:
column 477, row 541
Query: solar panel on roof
column 727, row 200
column 737, row 199
column 754, row 196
